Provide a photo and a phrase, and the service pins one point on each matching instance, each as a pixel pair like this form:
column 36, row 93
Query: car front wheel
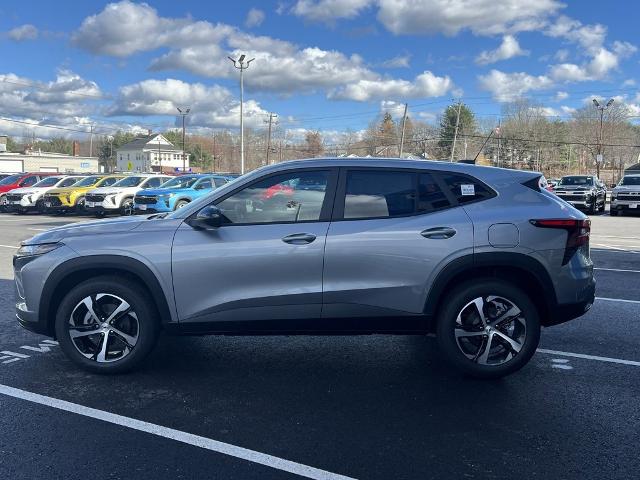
column 107, row 325
column 488, row 328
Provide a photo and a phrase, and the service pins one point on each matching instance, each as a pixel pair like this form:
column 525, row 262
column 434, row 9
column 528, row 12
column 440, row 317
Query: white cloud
column 125, row 28
column 328, row 11
column 23, row 32
column 507, row 87
column 561, row 96
column 629, row 82
column 509, row 48
column 601, row 64
column 255, row 17
column 590, row 37
column 213, row 106
column 483, row 17
column 424, row 85
column 399, row 61
column 561, row 55
column 396, row 109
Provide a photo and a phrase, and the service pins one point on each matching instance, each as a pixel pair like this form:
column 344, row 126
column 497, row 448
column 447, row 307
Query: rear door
column 392, row 232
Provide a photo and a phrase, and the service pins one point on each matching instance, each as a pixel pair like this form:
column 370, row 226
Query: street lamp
column 183, row 112
column 601, row 108
column 241, row 65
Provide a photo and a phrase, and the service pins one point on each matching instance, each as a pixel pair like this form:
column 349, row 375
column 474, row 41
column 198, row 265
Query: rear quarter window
column 466, row 189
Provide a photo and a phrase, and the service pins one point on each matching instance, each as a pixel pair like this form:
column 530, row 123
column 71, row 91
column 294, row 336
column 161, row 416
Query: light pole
column 241, row 65
column 183, row 112
column 601, row 109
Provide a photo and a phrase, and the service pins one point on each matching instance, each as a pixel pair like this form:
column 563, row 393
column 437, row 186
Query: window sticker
column 467, row 190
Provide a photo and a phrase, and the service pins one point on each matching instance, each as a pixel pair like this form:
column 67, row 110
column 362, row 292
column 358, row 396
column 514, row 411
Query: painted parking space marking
column 561, row 364
column 177, row 435
column 589, row 357
column 9, row 246
column 622, row 300
column 617, row 270
column 9, row 356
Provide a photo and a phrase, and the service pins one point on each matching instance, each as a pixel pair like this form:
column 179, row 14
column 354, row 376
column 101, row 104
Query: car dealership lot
column 362, row 407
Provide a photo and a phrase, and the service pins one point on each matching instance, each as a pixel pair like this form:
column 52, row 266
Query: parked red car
column 19, row 180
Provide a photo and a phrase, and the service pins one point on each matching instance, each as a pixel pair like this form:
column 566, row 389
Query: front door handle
column 299, row 238
column 438, row 233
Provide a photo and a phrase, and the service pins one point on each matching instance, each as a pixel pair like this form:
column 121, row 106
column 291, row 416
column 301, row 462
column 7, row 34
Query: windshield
column 88, row 181
column 634, row 180
column 576, row 181
column 47, row 182
column 10, row 179
column 129, row 182
column 180, row 182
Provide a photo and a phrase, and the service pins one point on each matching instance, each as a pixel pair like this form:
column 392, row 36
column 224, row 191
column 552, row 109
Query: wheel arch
column 72, row 272
column 523, row 271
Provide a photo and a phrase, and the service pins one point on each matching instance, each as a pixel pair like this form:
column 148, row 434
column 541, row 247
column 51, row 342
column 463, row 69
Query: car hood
column 67, row 189
column 97, row 227
column 112, row 190
column 27, row 190
column 164, row 191
column 627, row 188
column 573, row 187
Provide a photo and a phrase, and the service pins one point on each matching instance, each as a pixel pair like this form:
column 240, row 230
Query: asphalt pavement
column 369, row 407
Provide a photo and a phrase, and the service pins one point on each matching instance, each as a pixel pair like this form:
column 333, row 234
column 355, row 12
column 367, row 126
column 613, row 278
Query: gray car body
column 356, row 269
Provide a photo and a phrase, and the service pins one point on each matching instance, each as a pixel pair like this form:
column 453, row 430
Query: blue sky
column 320, row 64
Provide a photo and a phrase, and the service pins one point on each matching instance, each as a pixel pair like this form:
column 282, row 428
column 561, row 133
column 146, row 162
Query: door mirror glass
column 208, row 218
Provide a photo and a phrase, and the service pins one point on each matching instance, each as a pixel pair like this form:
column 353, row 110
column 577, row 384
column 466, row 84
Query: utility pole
column 270, row 122
column 404, row 123
column 91, row 140
column 455, row 134
column 159, row 156
column 601, row 108
column 213, row 154
column 241, row 65
column 184, row 112
column 498, row 132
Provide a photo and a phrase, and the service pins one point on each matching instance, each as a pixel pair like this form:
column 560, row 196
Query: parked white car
column 119, row 196
column 24, row 199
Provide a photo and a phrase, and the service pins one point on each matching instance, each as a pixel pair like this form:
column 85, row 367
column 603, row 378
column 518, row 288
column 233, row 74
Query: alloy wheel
column 490, row 330
column 104, row 328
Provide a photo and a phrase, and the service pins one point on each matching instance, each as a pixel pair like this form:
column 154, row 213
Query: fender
column 93, row 262
column 487, row 260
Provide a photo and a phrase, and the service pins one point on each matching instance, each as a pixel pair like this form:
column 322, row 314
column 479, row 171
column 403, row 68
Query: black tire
column 180, row 204
column 40, row 207
column 127, row 207
column 99, row 214
column 142, row 305
column 613, row 213
column 80, row 208
column 592, row 208
column 604, row 205
column 456, row 301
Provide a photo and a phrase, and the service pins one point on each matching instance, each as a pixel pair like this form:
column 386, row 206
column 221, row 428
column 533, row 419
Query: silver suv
column 482, row 257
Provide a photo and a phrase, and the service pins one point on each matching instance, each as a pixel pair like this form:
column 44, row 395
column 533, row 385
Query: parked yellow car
column 62, row 200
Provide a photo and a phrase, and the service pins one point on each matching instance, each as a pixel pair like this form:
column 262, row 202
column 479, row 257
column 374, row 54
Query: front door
column 265, row 262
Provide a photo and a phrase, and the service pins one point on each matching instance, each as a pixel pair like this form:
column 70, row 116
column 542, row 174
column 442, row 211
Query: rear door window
column 391, row 193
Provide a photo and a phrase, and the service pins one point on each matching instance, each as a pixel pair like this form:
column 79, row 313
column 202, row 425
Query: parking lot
column 374, row 407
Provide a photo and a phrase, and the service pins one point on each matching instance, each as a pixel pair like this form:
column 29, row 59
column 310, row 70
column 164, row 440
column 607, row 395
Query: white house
column 150, row 153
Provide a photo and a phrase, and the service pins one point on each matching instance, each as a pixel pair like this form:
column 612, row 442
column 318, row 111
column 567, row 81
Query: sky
column 327, row 65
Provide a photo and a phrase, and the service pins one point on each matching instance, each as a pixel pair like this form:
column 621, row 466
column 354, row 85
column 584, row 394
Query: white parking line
column 619, row 248
column 9, row 246
column 177, row 435
column 590, row 357
column 39, row 229
column 623, row 300
column 617, row 270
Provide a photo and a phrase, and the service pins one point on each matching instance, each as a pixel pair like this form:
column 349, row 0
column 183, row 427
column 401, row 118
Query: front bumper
column 159, row 206
column 626, row 205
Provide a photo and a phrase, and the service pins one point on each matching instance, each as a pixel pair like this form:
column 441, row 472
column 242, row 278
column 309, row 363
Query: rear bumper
column 565, row 312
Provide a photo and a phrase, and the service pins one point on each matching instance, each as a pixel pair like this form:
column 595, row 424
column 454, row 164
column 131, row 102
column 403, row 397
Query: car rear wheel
column 488, row 328
column 181, row 203
column 613, row 213
column 107, row 325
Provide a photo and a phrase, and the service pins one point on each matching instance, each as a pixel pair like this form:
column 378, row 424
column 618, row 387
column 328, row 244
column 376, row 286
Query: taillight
column 578, row 232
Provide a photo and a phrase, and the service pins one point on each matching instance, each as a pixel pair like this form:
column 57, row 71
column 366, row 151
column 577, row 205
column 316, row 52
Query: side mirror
column 209, row 218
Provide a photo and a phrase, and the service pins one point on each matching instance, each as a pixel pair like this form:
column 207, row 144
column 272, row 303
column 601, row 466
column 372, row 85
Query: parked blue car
column 176, row 193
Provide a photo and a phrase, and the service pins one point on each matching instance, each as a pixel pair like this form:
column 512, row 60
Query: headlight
column 34, row 250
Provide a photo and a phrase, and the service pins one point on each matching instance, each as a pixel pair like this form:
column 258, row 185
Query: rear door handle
column 438, row 233
column 299, row 238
